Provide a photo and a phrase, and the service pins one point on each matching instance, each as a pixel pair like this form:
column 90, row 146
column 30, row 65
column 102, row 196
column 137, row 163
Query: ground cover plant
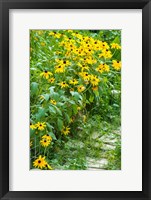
column 75, row 99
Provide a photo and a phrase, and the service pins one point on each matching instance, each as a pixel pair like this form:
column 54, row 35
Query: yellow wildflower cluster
column 39, row 126
column 81, row 57
column 103, row 68
column 45, row 140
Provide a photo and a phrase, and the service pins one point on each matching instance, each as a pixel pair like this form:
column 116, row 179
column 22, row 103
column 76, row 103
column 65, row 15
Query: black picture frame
column 5, row 5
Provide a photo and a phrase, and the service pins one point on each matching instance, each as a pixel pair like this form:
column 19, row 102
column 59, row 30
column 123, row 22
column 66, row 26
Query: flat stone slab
column 108, row 147
column 92, row 163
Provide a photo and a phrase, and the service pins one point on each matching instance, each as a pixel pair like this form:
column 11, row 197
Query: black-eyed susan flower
column 33, row 126
column 90, row 60
column 116, row 64
column 94, row 80
column 40, row 162
column 71, row 89
column 65, row 130
column 63, row 84
column 57, row 35
column 66, row 62
column 73, row 82
column 46, row 74
column 106, row 53
column 51, row 33
column 81, row 88
column 41, row 126
column 47, row 166
column 104, row 46
column 53, row 102
column 84, row 67
column 103, row 68
column 84, row 75
column 115, row 46
column 47, row 136
column 51, row 80
column 60, row 69
column 45, row 142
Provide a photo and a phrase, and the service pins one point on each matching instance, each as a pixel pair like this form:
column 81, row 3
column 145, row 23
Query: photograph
column 75, row 99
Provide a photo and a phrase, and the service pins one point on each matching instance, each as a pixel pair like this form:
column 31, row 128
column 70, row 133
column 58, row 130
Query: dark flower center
column 39, row 161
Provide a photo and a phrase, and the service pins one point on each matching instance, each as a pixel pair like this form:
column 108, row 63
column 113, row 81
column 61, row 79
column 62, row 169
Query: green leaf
column 34, row 88
column 58, row 110
column 71, row 101
column 91, row 98
column 49, row 126
column 76, row 95
column 67, row 117
column 74, row 108
column 60, row 124
column 46, row 96
column 52, row 135
column 52, row 89
column 52, row 110
column 69, row 112
column 40, row 114
column 32, row 132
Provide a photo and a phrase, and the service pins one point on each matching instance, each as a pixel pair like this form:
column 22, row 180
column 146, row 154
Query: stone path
column 108, row 143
